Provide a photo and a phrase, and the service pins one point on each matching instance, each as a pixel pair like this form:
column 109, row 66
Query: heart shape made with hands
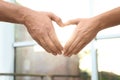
column 40, row 27
column 69, row 46
column 84, row 33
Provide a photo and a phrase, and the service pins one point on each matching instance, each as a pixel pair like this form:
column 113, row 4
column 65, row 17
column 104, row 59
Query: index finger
column 56, row 19
column 71, row 22
column 55, row 41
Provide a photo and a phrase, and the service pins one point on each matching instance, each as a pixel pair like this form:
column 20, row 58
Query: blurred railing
column 41, row 76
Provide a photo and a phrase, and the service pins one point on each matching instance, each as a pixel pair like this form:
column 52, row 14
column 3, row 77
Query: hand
column 85, row 31
column 40, row 27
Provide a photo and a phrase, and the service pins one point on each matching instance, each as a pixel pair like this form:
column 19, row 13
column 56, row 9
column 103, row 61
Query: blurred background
column 20, row 55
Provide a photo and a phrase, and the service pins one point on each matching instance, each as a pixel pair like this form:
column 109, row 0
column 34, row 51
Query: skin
column 40, row 27
column 88, row 28
column 38, row 24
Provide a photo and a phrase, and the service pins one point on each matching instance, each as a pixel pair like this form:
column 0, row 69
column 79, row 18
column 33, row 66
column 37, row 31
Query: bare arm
column 109, row 19
column 88, row 28
column 12, row 13
column 38, row 24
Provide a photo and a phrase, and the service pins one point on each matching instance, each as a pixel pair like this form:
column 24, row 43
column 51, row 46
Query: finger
column 55, row 41
column 39, row 40
column 67, row 46
column 71, row 22
column 50, row 45
column 43, row 44
column 83, row 42
column 73, row 46
column 56, row 19
column 78, row 48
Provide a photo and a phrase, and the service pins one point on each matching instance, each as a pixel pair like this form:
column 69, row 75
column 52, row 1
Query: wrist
column 23, row 12
column 99, row 22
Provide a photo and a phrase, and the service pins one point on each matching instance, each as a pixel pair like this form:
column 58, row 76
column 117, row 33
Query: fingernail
column 59, row 53
column 65, row 55
column 69, row 55
column 54, row 54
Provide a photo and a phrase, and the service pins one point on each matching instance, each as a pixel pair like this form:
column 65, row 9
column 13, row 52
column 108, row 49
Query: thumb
column 72, row 22
column 56, row 19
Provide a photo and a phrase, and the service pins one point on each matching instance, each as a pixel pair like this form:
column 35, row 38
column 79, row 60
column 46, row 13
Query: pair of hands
column 40, row 27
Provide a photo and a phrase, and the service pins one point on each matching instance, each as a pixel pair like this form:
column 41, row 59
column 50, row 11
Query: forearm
column 12, row 13
column 110, row 18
